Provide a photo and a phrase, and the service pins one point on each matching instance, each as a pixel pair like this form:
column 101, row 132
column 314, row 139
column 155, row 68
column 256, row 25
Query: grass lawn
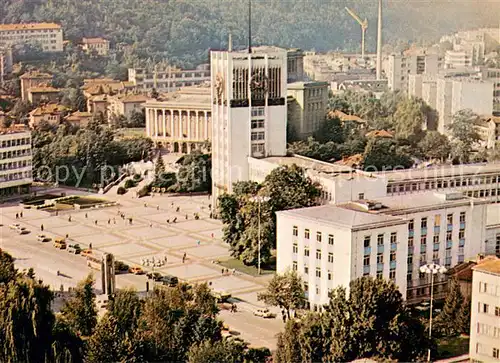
column 39, row 199
column 265, row 269
column 452, row 347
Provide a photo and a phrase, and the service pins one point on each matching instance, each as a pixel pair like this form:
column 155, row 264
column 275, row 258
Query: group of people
column 225, row 271
column 158, row 262
column 19, row 215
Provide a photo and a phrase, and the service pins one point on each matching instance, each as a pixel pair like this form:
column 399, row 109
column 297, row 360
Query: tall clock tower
column 248, row 112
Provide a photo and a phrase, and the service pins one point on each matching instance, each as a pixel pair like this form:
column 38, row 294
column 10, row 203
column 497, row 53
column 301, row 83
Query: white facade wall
column 474, row 95
column 15, row 159
column 429, row 92
column 485, row 317
column 443, row 103
column 415, row 85
column 48, row 36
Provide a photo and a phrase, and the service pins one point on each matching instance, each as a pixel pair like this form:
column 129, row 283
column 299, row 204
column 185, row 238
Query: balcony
column 380, row 249
column 423, row 231
column 366, row 270
column 447, row 261
column 393, row 265
column 411, row 233
column 380, row 267
column 461, row 242
column 449, row 227
column 410, row 250
column 368, row 251
column 462, row 225
column 423, row 248
column 437, row 229
column 394, row 246
column 436, row 247
column 449, row 244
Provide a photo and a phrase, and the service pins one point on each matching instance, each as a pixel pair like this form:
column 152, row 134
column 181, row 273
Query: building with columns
column 249, row 111
column 181, row 121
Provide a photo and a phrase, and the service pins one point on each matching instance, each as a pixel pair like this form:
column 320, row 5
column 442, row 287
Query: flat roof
column 29, row 26
column 492, row 267
column 310, row 164
column 302, row 85
column 440, row 171
column 342, row 217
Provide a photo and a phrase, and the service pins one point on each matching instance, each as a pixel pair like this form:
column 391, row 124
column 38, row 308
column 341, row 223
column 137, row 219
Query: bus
column 94, row 262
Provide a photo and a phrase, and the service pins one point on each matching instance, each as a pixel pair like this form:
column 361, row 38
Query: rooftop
column 345, row 117
column 302, row 85
column 48, row 109
column 492, row 267
column 321, row 167
column 342, row 217
column 194, row 95
column 14, row 129
column 132, row 98
column 41, row 89
column 36, row 74
column 380, row 133
column 94, row 40
column 29, row 26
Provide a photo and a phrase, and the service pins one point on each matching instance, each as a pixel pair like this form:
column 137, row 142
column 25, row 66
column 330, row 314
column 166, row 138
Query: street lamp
column 432, row 269
column 259, row 199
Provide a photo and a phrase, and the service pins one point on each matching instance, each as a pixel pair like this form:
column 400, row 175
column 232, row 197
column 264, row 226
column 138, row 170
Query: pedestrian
column 114, row 220
column 186, row 216
column 145, row 205
column 165, row 258
column 95, row 222
column 198, row 242
column 41, row 228
column 17, row 215
column 175, row 220
column 90, row 246
column 86, row 215
column 223, row 271
column 109, row 221
column 177, row 209
column 130, row 220
column 150, row 225
column 168, row 221
column 57, row 272
column 69, row 219
column 211, row 215
column 21, row 214
column 210, row 206
column 157, row 207
column 67, row 236
column 212, row 235
column 233, row 271
column 57, row 213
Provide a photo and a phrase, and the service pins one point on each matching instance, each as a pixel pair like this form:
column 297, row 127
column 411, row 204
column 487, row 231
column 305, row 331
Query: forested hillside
column 183, row 30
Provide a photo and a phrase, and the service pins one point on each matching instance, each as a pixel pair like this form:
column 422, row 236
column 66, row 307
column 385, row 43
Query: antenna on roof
column 249, row 26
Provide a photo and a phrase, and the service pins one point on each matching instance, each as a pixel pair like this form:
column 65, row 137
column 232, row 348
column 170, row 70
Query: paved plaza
column 151, row 234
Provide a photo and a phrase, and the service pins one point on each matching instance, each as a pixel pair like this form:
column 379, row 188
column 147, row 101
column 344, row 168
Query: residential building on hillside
column 249, row 112
column 6, row 62
column 15, row 161
column 33, row 79
column 43, row 94
column 391, row 237
column 307, row 105
column 339, row 67
column 167, row 79
column 125, row 105
column 456, row 59
column 79, row 118
column 493, row 75
column 181, row 121
column 48, row 36
column 484, row 345
column 51, row 113
column 98, row 45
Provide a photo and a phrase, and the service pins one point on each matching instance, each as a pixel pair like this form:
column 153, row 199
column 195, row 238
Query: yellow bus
column 94, row 262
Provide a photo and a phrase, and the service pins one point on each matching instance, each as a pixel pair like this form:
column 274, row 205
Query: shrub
column 129, row 183
column 121, row 191
column 121, row 266
column 143, row 191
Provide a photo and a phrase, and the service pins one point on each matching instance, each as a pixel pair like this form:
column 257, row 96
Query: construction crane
column 364, row 26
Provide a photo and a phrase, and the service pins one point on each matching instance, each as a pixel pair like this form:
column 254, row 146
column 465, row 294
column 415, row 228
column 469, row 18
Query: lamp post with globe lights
column 432, row 269
column 259, row 199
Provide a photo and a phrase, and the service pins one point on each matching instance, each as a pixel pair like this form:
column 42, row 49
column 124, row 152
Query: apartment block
column 307, row 105
column 15, row 161
column 484, row 343
column 48, row 36
column 98, row 45
column 34, row 79
column 401, row 66
column 6, row 61
column 391, row 237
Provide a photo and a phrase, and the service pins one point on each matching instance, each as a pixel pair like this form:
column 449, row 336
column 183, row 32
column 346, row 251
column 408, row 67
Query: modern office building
column 307, row 105
column 15, row 161
column 390, row 237
column 48, row 36
column 484, row 343
column 181, row 121
column 167, row 78
column 249, row 113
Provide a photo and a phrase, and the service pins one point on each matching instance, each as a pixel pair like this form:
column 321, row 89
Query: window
column 462, row 217
column 294, row 265
column 330, row 239
column 295, row 231
column 317, row 290
column 257, row 135
column 380, row 258
column 409, row 260
column 295, row 248
column 257, row 124
column 330, row 257
column 461, row 234
column 380, row 239
column 393, row 256
column 306, row 287
column 257, row 111
column 366, row 261
column 411, row 225
column 423, row 240
column 496, row 353
column 367, row 241
column 448, row 236
column 423, row 223
column 449, row 219
column 318, row 254
column 485, row 308
column 394, row 237
column 306, row 233
column 379, row 275
column 437, row 220
column 306, row 269
column 318, row 236
column 392, row 274
column 306, row 251
column 435, row 239
column 410, row 241
column 483, row 286
column 497, row 310
column 361, row 196
column 329, row 275
column 318, row 272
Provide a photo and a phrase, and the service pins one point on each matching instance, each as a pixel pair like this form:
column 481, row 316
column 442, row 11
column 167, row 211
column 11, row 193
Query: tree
column 195, row 173
column 385, row 154
column 330, row 130
column 285, row 291
column 464, row 317
column 448, row 321
column 435, row 146
column 74, row 99
column 66, row 345
column 409, row 118
column 159, row 166
column 7, row 269
column 80, row 310
column 125, row 307
column 463, row 135
column 311, row 148
column 137, row 119
column 222, row 351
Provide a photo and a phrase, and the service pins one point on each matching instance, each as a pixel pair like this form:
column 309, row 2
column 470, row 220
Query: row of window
column 15, row 154
column 485, row 309
column 380, row 239
column 257, row 111
column 307, row 253
column 258, row 149
column 258, row 135
column 15, row 176
column 441, row 183
column 495, row 351
column 16, row 142
column 318, row 271
column 307, row 235
column 489, row 289
column 15, row 165
column 257, row 124
column 437, row 221
column 486, row 329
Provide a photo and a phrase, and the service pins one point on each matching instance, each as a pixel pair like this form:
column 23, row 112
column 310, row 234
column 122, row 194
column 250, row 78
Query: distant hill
column 183, row 30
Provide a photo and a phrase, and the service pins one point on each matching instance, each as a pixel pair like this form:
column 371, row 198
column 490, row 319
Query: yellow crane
column 364, row 26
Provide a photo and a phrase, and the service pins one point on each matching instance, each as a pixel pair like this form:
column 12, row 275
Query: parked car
column 87, row 252
column 22, row 230
column 60, row 243
column 221, row 296
column 42, row 238
column 74, row 249
column 14, row 226
column 155, row 276
column 170, row 280
column 136, row 271
column 263, row 313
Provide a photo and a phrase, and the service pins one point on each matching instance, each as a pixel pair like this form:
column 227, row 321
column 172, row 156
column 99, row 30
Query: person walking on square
column 41, row 228
column 184, row 257
column 21, row 214
column 86, row 215
column 90, row 246
column 17, row 215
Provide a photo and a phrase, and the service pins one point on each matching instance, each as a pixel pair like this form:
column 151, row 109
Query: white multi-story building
column 391, row 237
column 48, row 35
column 484, row 343
column 249, row 112
column 15, row 161
column 401, row 66
column 167, row 79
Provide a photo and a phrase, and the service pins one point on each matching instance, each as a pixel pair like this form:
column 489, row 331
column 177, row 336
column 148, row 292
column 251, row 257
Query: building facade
column 6, row 62
column 248, row 112
column 295, row 65
column 331, row 245
column 33, row 79
column 484, row 343
column 167, row 79
column 98, row 45
column 181, row 121
column 43, row 94
column 125, row 105
column 306, row 106
column 15, row 161
column 48, row 36
column 401, row 66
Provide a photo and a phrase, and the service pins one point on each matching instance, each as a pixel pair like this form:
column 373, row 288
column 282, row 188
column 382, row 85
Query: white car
column 23, row 230
column 42, row 238
column 264, row 313
column 14, row 226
